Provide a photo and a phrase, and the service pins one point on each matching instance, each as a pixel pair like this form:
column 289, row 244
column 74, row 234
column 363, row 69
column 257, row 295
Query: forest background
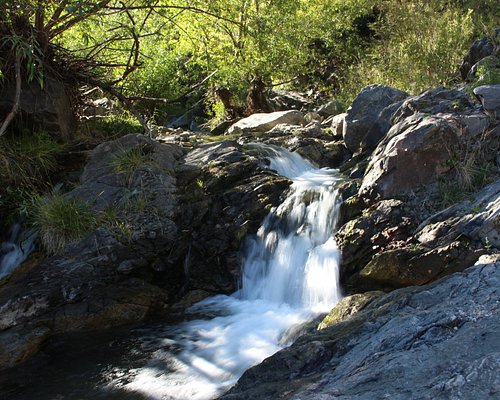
column 159, row 58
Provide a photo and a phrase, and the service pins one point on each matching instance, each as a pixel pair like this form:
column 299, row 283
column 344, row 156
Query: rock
column 414, row 152
column 347, row 307
column 48, row 109
column 480, row 49
column 313, row 117
column 380, row 127
column 431, row 102
column 388, row 349
column 235, row 191
column 263, row 122
column 330, row 108
column 409, row 267
column 173, row 226
column 483, row 71
column 337, row 126
column 477, row 220
column 489, row 96
column 223, row 127
column 282, row 100
column 361, row 238
column 364, row 112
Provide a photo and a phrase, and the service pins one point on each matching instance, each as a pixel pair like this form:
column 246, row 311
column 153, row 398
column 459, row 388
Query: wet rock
column 263, row 122
column 177, row 226
column 236, row 191
column 364, row 112
column 378, row 227
column 489, row 96
column 392, row 341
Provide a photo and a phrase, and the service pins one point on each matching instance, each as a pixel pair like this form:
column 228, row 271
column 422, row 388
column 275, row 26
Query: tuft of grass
column 26, row 163
column 61, row 220
column 27, row 159
column 130, row 160
column 470, row 172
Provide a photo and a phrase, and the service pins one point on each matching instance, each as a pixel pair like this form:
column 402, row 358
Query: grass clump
column 26, row 163
column 130, row 160
column 470, row 171
column 61, row 220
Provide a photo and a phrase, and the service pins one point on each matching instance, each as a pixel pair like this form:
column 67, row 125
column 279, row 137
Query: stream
column 16, row 249
column 289, row 276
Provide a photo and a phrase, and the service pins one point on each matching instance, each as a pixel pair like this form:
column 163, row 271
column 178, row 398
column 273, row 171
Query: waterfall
column 16, row 249
column 290, row 273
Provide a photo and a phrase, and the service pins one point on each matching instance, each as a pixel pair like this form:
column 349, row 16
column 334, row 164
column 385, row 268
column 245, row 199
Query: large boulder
column 414, row 153
column 363, row 114
column 434, row 342
column 263, row 122
column 50, row 108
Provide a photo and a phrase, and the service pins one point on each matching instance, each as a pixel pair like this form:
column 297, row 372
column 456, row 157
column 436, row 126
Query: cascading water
column 290, row 273
column 16, row 249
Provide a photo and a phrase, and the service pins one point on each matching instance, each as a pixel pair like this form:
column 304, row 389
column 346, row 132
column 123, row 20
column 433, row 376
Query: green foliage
column 28, row 51
column 112, row 126
column 419, row 46
column 61, row 220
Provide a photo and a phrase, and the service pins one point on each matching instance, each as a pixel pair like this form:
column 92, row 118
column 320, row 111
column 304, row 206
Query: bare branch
column 17, row 97
column 79, row 18
column 183, row 8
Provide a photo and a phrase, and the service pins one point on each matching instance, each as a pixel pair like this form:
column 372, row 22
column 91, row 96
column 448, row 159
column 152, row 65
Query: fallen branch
column 17, row 97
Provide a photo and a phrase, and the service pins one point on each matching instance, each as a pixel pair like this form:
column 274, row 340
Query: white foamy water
column 15, row 250
column 290, row 273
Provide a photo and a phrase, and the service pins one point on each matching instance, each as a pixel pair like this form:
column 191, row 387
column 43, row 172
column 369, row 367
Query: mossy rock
column 349, row 306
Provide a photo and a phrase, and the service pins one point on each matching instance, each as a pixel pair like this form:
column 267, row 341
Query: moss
column 348, row 306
